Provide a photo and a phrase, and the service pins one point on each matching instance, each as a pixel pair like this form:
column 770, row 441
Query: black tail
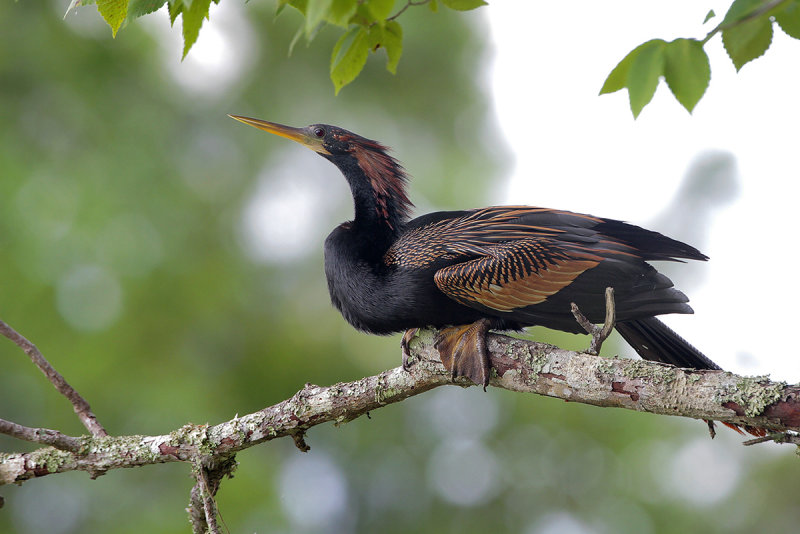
column 653, row 340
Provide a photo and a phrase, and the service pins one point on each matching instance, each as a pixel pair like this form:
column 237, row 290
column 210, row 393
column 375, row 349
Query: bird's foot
column 463, row 351
column 598, row 333
column 404, row 346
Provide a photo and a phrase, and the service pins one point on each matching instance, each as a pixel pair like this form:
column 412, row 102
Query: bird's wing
column 449, row 235
column 514, row 275
column 505, row 258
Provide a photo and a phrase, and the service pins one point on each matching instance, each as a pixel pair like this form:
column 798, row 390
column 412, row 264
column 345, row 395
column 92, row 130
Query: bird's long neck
column 377, row 182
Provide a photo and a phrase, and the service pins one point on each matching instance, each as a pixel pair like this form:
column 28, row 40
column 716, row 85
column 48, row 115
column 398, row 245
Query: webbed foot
column 463, row 351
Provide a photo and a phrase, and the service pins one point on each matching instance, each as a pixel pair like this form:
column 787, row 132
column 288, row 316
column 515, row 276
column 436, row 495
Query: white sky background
column 579, row 151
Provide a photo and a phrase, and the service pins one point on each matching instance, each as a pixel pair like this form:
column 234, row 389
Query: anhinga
column 496, row 268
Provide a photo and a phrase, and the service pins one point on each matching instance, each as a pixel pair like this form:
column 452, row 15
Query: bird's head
column 364, row 162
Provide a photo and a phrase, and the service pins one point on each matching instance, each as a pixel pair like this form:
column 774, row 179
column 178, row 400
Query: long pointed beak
column 300, row 135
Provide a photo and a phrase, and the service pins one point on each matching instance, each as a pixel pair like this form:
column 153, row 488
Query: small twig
column 203, row 511
column 408, row 4
column 79, row 404
column 599, row 333
column 300, row 440
column 197, row 513
column 197, row 516
column 722, row 26
column 611, row 316
column 209, row 506
column 755, row 441
column 209, row 472
column 45, row 436
column 712, row 430
column 777, row 437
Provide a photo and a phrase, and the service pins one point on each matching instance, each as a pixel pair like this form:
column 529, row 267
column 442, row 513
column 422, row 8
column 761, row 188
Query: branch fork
column 599, row 333
column 79, row 404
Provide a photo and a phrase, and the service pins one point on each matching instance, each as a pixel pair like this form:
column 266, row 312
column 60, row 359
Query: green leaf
column 788, row 19
column 316, row 11
column 192, row 21
column 113, row 12
column 639, row 71
column 393, row 44
column 390, row 38
column 297, row 35
column 140, row 8
column 299, row 5
column 380, row 9
column 349, row 56
column 740, row 9
column 644, row 73
column 341, row 11
column 363, row 15
column 175, row 9
column 686, row 71
column 281, row 5
column 618, row 78
column 433, row 5
column 463, row 5
column 710, row 15
column 748, row 40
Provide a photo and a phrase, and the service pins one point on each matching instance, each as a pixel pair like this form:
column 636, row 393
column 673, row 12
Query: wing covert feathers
column 513, row 276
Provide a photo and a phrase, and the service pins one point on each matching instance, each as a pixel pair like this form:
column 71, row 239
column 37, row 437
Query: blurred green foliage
column 130, row 214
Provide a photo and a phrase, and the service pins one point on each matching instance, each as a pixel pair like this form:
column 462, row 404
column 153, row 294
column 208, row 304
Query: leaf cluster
column 746, row 29
column 368, row 25
column 118, row 13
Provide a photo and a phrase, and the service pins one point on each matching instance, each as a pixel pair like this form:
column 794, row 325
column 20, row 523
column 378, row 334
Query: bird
column 499, row 268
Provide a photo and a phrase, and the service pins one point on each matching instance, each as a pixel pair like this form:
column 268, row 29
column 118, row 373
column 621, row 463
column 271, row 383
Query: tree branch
column 202, row 506
column 402, row 10
column 79, row 404
column 45, row 436
column 522, row 366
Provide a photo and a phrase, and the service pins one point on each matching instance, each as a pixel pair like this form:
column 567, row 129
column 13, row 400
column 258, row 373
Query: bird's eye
column 319, row 131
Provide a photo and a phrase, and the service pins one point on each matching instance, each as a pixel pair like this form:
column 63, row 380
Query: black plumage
column 496, row 268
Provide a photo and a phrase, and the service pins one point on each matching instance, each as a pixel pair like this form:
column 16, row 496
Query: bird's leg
column 598, row 333
column 404, row 346
column 463, row 351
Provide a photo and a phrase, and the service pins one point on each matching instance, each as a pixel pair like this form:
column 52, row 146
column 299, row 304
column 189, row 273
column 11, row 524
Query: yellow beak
column 300, row 135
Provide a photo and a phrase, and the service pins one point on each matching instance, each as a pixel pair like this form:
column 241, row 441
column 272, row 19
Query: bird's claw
column 405, row 348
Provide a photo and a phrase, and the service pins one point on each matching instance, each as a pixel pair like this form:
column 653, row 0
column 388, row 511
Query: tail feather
column 655, row 341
